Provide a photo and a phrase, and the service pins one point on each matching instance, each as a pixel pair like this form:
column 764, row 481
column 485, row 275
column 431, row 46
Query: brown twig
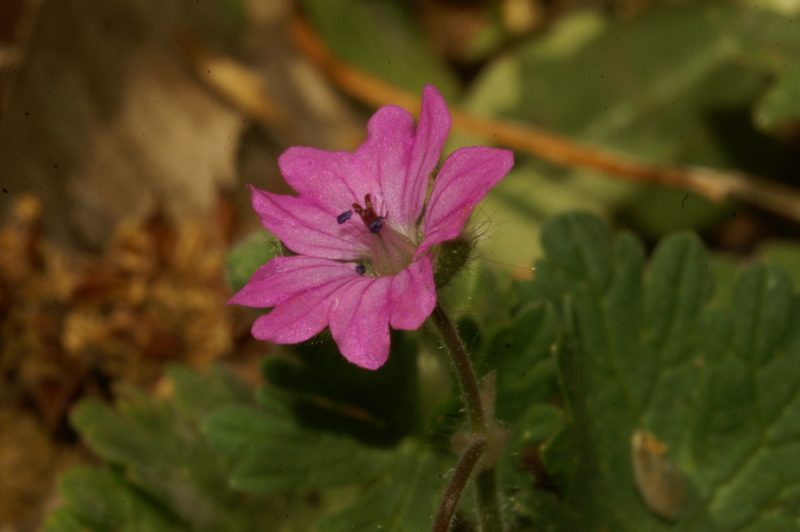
column 716, row 185
column 234, row 82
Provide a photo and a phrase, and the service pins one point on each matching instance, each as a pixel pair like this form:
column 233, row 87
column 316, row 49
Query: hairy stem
column 457, row 484
column 486, row 484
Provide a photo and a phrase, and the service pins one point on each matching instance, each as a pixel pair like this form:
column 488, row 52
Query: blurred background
column 128, row 130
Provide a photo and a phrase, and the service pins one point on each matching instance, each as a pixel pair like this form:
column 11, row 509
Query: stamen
column 361, row 269
column 342, row 218
column 376, row 225
column 368, row 215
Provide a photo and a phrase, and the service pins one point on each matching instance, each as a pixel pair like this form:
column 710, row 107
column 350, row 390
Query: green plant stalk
column 486, row 485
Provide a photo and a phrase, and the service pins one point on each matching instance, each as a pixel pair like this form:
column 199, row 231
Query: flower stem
column 486, row 484
column 457, row 483
column 466, row 375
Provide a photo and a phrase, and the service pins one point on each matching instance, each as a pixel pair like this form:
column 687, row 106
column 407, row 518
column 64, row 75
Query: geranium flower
column 364, row 233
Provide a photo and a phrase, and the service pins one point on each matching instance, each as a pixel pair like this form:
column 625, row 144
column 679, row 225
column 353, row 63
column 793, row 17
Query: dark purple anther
column 376, row 225
column 342, row 218
column 361, row 269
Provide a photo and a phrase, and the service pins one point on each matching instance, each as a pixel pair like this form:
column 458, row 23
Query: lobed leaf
column 714, row 385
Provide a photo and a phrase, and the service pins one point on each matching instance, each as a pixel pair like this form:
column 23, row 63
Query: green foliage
column 271, row 454
column 645, row 350
column 599, row 351
column 326, row 392
column 247, row 255
column 784, row 253
column 381, row 37
column 633, row 394
column 676, row 85
column 100, row 499
column 404, row 498
column 780, row 106
column 522, row 354
column 164, row 474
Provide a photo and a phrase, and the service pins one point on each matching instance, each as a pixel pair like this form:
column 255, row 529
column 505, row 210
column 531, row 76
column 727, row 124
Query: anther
column 361, row 269
column 342, row 218
column 376, row 225
column 368, row 215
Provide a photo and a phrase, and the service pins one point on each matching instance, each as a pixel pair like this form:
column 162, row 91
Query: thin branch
column 715, row 185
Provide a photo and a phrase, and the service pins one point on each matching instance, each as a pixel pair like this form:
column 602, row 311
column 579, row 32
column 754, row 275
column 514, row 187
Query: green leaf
column 645, row 350
column 405, row 498
column 325, row 392
column 784, row 253
column 675, row 85
column 253, row 251
column 196, row 395
column 780, row 106
column 383, row 38
column 522, row 354
column 397, row 488
column 160, row 449
column 100, row 499
column 273, row 455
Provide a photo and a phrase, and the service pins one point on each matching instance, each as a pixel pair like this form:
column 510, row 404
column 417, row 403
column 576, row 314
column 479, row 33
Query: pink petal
column 429, row 139
column 359, row 321
column 300, row 317
column 413, row 295
column 285, row 277
column 465, row 178
column 386, row 155
column 307, row 229
column 331, row 180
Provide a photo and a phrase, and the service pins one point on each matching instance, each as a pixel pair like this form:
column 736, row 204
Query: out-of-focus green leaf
column 326, row 392
column 522, row 354
column 674, row 85
column 405, row 497
column 784, row 253
column 780, row 106
column 273, row 455
column 195, row 395
column 398, row 487
column 383, row 38
column 100, row 499
column 162, row 459
column 714, row 385
column 254, row 250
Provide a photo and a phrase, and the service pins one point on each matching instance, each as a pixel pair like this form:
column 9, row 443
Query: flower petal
column 300, row 317
column 413, row 295
column 285, row 277
column 465, row 178
column 429, row 139
column 359, row 321
column 386, row 155
column 301, row 289
column 307, row 229
column 331, row 180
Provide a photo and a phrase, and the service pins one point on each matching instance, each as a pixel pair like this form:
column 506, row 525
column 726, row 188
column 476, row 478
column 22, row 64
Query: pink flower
column 363, row 232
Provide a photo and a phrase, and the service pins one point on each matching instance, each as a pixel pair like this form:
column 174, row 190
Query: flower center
column 390, row 251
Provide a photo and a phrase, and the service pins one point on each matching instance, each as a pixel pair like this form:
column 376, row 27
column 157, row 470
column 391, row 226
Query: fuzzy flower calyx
column 363, row 231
